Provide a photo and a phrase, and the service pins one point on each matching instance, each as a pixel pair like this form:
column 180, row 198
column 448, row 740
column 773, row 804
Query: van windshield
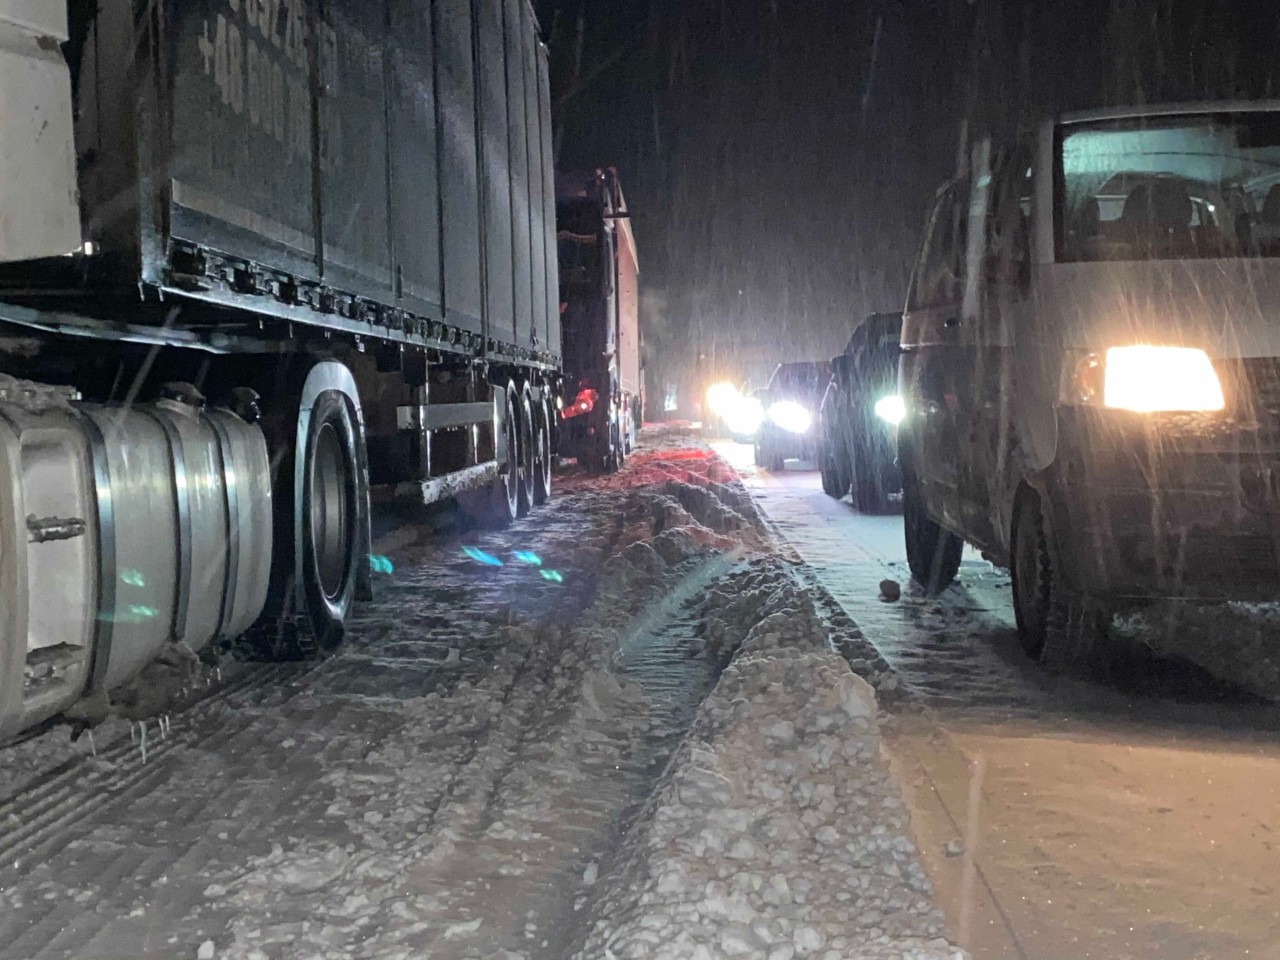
column 1201, row 186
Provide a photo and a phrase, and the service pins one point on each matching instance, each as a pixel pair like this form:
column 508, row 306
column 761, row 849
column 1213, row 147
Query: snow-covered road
column 1133, row 816
column 638, row 726
column 526, row 751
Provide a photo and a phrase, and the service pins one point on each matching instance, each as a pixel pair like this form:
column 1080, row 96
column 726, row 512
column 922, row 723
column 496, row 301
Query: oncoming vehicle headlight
column 744, row 416
column 721, row 398
column 891, row 409
column 1146, row 379
column 791, row 416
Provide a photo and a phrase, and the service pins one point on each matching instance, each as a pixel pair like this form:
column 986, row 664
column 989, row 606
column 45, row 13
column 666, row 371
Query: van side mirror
column 842, row 368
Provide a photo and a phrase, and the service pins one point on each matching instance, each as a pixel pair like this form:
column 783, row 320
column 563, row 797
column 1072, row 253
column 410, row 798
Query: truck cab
column 1091, row 366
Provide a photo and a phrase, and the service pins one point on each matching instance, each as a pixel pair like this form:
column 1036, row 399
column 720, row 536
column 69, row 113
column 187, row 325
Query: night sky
column 779, row 156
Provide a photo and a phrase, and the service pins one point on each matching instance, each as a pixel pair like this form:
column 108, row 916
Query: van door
column 996, row 300
column 1008, row 310
column 932, row 342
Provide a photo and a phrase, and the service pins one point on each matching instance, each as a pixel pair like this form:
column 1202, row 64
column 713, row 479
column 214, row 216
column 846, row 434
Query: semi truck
column 600, row 314
column 262, row 262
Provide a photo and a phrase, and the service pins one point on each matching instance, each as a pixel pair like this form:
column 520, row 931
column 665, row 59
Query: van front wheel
column 933, row 554
column 1053, row 625
column 1032, row 571
column 834, row 483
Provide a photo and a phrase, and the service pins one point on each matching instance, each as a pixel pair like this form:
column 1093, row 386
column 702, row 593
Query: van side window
column 1007, row 245
column 941, row 269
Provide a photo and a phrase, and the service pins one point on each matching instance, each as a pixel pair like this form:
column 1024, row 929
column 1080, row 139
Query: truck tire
column 637, row 419
column 620, row 441
column 542, row 456
column 330, row 511
column 320, row 496
column 614, row 456
column 1052, row 623
column 505, row 496
column 525, row 452
column 933, row 554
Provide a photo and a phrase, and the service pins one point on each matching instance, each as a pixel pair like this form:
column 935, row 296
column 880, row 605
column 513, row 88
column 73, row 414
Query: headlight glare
column 721, row 397
column 791, row 416
column 744, row 416
column 891, row 409
column 1147, row 379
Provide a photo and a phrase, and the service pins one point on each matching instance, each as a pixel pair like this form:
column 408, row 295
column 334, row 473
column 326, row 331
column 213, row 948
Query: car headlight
column 1145, row 379
column 721, row 397
column 891, row 409
column 744, row 416
column 791, row 416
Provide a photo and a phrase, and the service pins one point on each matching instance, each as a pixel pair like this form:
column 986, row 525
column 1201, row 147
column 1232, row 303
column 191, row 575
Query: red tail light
column 584, row 402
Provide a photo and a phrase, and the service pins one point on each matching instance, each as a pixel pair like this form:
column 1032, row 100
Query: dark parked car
column 790, row 403
column 859, row 416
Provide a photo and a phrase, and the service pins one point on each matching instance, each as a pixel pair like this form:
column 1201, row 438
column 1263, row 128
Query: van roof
column 1170, row 109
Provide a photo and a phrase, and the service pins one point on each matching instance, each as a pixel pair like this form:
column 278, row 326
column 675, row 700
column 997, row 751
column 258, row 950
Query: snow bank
column 777, row 830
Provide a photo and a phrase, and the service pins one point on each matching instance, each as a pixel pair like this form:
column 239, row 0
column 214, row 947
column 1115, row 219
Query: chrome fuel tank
column 122, row 530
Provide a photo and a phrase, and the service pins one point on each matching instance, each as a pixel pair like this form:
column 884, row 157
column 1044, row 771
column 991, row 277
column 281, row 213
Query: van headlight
column 1144, row 379
column 891, row 409
column 791, row 416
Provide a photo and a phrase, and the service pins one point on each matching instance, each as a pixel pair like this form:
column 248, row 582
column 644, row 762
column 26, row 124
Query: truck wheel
column 637, row 418
column 542, row 457
column 1052, row 624
column 526, row 454
column 505, row 495
column 330, row 493
column 933, row 554
column 620, row 441
column 320, row 506
column 614, row 457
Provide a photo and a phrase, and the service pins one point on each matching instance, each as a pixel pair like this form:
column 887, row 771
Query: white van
column 1091, row 366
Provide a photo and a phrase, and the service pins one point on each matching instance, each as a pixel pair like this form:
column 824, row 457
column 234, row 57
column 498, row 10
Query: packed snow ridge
column 777, row 831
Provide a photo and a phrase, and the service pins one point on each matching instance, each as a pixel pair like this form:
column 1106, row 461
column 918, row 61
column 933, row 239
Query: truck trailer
column 600, row 314
column 261, row 261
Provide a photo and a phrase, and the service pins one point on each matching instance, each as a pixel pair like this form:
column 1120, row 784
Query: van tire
column 834, row 484
column 1053, row 625
column 1032, row 574
column 933, row 553
column 868, row 489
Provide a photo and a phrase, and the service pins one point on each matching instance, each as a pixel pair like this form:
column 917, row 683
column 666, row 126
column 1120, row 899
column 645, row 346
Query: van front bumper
column 1143, row 510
